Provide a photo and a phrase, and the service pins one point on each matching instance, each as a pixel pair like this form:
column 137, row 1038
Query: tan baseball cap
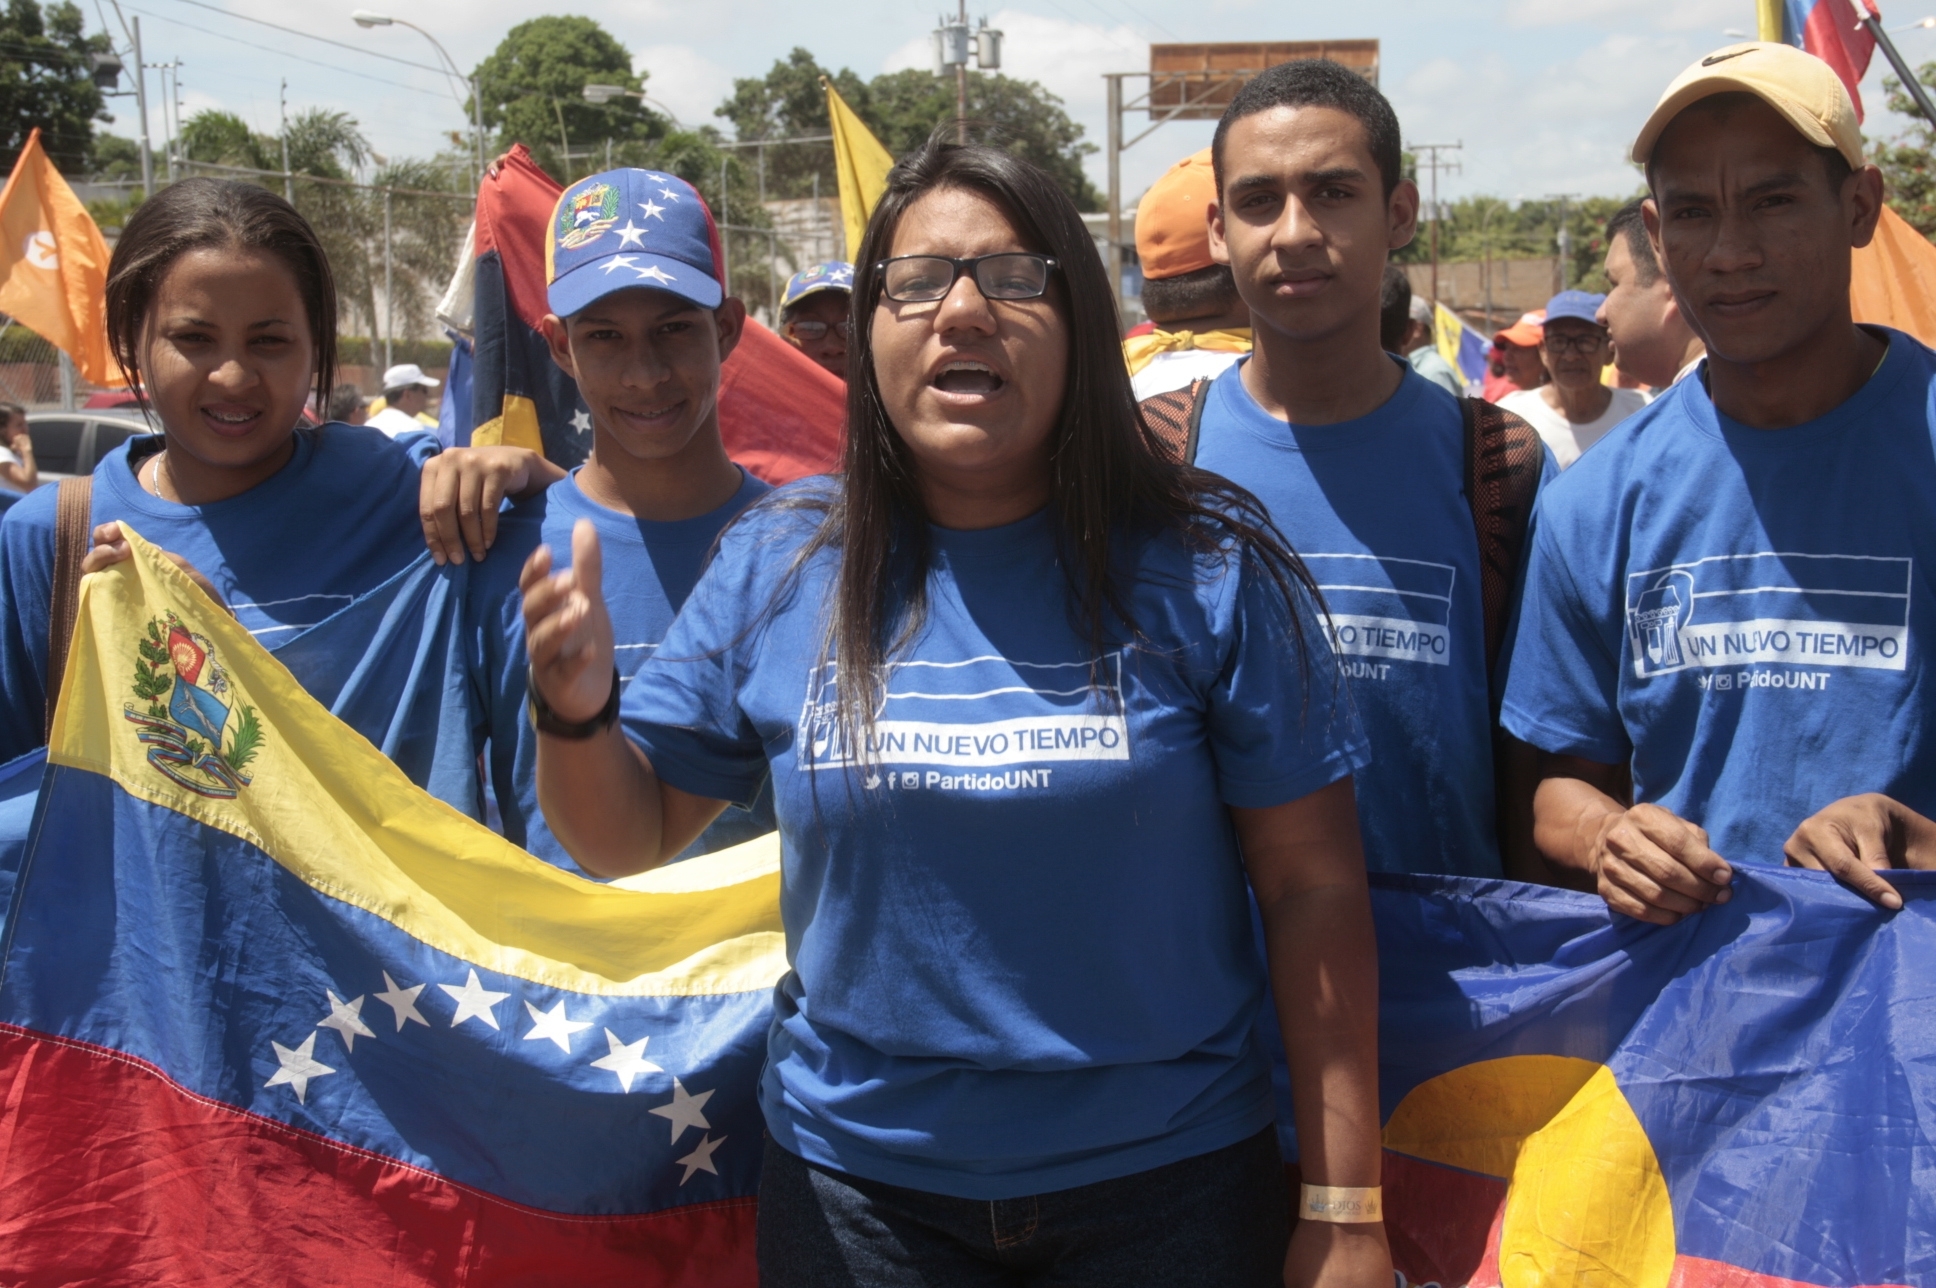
column 1803, row 88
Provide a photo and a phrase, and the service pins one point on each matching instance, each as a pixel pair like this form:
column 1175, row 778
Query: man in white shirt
column 1651, row 340
column 406, row 396
column 1573, row 410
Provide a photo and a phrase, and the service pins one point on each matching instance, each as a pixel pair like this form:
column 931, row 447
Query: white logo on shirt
column 1731, row 610
column 1399, row 608
column 980, row 712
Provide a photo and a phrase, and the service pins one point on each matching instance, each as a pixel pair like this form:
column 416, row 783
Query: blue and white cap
column 626, row 228
column 834, row 275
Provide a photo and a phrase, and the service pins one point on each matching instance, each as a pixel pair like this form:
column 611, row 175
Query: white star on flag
column 630, row 235
column 841, row 275
column 684, row 1111
column 617, row 262
column 701, row 1158
column 346, row 1018
column 473, row 999
column 581, row 422
column 401, row 1000
column 626, row 1060
column 653, row 210
column 298, row 1067
column 668, row 194
column 655, row 274
column 554, row 1024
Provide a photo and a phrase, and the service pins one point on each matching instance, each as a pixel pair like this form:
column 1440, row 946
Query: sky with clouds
column 1544, row 94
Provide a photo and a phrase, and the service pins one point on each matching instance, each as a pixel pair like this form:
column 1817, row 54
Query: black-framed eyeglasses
column 922, row 279
column 814, row 329
column 1576, row 342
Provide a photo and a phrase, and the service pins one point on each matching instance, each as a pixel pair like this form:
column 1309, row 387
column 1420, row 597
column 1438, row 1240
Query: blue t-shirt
column 1019, row 929
column 1376, row 508
column 337, row 521
column 649, row 569
column 1734, row 611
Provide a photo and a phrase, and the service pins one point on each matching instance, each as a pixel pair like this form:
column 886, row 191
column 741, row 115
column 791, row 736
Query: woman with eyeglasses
column 813, row 313
column 1039, row 707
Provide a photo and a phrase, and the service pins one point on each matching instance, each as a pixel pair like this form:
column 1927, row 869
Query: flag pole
column 1909, row 81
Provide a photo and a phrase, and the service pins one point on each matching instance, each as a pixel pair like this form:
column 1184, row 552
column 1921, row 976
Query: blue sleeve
column 420, row 445
column 682, row 707
column 26, row 588
column 1281, row 723
column 1563, row 670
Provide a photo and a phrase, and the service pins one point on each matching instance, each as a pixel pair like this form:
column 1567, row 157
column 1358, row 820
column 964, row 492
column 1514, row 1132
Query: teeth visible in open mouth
column 233, row 418
column 968, row 377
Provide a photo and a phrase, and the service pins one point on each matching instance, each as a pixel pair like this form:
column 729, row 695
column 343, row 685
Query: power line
column 280, row 53
column 354, row 49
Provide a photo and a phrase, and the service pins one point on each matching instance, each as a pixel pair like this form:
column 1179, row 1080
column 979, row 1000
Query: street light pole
column 366, row 19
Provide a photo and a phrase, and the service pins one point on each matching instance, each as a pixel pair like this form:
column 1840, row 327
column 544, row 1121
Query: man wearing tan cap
column 1201, row 325
column 1720, row 646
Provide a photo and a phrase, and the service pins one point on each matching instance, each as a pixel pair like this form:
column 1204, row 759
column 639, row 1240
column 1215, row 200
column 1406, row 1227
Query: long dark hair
column 223, row 214
column 1110, row 477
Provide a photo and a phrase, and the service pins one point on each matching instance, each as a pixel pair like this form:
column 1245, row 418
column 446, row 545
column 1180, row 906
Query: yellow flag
column 54, row 265
column 860, row 163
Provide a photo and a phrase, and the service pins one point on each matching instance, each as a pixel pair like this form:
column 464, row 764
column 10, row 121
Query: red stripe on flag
column 1833, row 35
column 112, row 1173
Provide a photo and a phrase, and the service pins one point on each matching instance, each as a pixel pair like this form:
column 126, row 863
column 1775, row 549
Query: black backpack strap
column 1503, row 462
column 1175, row 418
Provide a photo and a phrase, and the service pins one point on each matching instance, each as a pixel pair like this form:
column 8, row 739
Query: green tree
column 1477, row 227
column 533, row 84
column 1908, row 162
column 47, row 80
column 223, row 138
column 902, row 109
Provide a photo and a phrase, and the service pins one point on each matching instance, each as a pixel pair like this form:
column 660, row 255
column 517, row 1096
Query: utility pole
column 288, row 180
column 1432, row 159
column 1563, row 243
column 389, row 297
column 141, row 105
column 1114, row 80
column 961, row 82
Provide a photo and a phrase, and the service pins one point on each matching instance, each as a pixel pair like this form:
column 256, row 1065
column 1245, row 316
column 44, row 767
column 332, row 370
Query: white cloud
column 1564, row 127
column 685, row 80
column 1711, row 16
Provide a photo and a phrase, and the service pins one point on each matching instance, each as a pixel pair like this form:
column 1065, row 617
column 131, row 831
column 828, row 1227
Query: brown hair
column 221, row 214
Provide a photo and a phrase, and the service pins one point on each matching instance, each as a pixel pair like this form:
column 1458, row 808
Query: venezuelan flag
column 1459, row 345
column 270, row 1013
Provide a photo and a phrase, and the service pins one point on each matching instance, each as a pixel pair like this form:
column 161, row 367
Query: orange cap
column 1526, row 333
column 1173, row 220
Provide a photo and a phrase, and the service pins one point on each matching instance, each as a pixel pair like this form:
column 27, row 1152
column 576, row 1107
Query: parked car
column 73, row 442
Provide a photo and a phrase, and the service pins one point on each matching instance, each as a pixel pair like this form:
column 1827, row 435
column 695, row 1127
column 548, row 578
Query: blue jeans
column 1220, row 1220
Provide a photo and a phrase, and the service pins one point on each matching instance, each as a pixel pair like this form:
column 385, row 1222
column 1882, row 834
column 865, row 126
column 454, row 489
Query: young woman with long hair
column 221, row 312
column 1036, row 704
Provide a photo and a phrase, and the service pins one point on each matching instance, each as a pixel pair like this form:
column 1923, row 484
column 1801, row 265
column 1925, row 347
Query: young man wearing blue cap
column 1574, row 410
column 813, row 313
column 640, row 319
column 1727, row 605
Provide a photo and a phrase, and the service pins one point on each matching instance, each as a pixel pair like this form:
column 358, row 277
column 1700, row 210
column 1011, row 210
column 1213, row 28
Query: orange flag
column 54, row 265
column 1893, row 280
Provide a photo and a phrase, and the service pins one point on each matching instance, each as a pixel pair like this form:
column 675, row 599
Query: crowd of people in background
column 1254, row 598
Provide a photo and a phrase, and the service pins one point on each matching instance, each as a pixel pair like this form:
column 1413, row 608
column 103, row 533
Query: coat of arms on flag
column 185, row 734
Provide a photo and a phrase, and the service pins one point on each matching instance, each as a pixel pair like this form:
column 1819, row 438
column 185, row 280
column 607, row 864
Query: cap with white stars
column 631, row 228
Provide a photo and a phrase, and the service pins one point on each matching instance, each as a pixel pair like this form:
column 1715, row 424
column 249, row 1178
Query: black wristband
column 545, row 720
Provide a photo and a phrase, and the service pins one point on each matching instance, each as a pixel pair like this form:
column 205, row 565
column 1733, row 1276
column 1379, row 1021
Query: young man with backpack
column 1408, row 505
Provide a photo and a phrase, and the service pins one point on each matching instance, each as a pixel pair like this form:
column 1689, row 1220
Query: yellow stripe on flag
column 515, row 426
column 860, row 165
column 318, row 799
